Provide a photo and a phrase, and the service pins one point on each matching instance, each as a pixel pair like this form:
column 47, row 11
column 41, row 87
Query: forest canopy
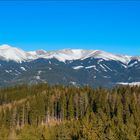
column 69, row 113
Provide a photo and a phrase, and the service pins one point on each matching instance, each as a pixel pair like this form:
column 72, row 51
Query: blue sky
column 52, row 25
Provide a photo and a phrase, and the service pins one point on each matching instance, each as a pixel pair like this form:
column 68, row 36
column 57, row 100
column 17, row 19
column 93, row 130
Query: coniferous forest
column 43, row 112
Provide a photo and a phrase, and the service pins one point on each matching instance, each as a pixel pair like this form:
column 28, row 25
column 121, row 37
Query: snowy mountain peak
column 5, row 46
column 41, row 52
column 11, row 53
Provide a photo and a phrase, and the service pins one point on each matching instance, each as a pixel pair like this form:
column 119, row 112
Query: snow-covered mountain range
column 67, row 66
column 11, row 53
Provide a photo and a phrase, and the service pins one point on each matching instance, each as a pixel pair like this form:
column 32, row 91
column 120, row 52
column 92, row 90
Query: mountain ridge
column 16, row 54
column 67, row 67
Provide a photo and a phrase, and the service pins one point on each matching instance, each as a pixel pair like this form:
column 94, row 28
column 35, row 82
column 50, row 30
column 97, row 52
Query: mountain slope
column 69, row 66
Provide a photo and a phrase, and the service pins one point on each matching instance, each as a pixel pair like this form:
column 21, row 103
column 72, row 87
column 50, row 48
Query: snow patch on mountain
column 130, row 84
column 23, row 68
column 89, row 67
column 104, row 69
column 37, row 77
column 107, row 67
column 131, row 65
column 77, row 67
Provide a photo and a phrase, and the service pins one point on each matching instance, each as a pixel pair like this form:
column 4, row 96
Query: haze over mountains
column 68, row 66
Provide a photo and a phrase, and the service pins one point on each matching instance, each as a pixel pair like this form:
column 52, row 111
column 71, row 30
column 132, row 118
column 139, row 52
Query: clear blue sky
column 104, row 25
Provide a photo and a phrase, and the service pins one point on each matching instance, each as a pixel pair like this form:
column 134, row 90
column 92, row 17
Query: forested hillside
column 43, row 112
